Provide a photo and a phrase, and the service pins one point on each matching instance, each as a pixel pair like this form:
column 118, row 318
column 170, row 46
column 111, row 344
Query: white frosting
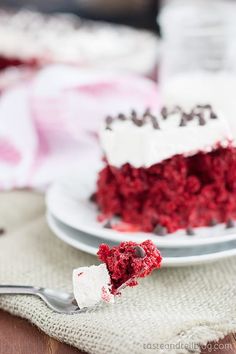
column 91, row 285
column 145, row 146
column 66, row 38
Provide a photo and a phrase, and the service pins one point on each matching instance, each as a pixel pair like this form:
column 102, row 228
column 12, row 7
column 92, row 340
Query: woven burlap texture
column 173, row 308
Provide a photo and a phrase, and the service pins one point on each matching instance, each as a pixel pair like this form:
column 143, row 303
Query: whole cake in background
column 33, row 39
column 168, row 172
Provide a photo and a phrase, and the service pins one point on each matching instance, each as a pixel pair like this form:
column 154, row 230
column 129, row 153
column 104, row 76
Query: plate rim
column 167, row 261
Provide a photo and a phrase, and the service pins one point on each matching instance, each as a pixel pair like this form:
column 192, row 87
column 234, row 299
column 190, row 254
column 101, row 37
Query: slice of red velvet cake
column 175, row 171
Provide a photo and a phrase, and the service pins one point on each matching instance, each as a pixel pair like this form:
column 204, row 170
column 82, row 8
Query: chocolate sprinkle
column 140, row 252
column 183, row 122
column 108, row 225
column 121, row 116
column 204, row 106
column 164, row 112
column 92, row 197
column 229, row 224
column 213, row 115
column 155, row 123
column 2, row 231
column 196, row 113
column 133, row 113
column 74, row 302
column 137, row 122
column 188, row 117
column 160, row 230
column 190, row 232
column 201, row 119
column 213, row 222
column 109, row 120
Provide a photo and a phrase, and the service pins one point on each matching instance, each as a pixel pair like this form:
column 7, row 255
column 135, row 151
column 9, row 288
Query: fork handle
column 18, row 289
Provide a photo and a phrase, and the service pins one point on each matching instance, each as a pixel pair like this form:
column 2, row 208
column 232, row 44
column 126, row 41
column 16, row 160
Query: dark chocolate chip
column 190, row 231
column 121, row 116
column 229, row 224
column 155, row 123
column 160, row 230
column 74, row 302
column 139, row 251
column 188, row 117
column 183, row 122
column 137, row 122
column 108, row 225
column 92, row 197
column 213, row 115
column 213, row 222
column 203, row 106
column 164, row 112
column 109, row 120
column 133, row 113
column 201, row 119
column 147, row 112
column 2, row 231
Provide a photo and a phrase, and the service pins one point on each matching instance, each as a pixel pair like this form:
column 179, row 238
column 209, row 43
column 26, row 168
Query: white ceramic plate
column 68, row 201
column 172, row 257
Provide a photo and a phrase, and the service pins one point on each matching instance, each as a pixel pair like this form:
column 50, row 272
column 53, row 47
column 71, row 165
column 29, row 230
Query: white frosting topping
column 68, row 39
column 145, row 146
column 91, row 285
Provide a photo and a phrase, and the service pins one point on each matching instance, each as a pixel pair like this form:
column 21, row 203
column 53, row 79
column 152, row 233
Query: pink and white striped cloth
column 49, row 120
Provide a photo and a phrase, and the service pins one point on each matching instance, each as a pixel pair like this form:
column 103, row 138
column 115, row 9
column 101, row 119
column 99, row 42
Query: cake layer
column 145, row 140
column 178, row 193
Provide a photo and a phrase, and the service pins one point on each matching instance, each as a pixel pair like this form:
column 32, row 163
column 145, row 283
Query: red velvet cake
column 175, row 171
column 129, row 261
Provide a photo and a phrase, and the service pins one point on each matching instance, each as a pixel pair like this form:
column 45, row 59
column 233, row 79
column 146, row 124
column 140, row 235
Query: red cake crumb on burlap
column 125, row 263
column 177, row 193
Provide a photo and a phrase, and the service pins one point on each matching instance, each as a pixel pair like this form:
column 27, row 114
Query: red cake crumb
column 181, row 192
column 125, row 227
column 129, row 261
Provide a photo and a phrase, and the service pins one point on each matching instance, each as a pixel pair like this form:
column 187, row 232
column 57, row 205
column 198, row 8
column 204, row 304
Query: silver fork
column 58, row 301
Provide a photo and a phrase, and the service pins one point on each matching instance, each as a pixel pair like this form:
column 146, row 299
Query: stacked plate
column 73, row 218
